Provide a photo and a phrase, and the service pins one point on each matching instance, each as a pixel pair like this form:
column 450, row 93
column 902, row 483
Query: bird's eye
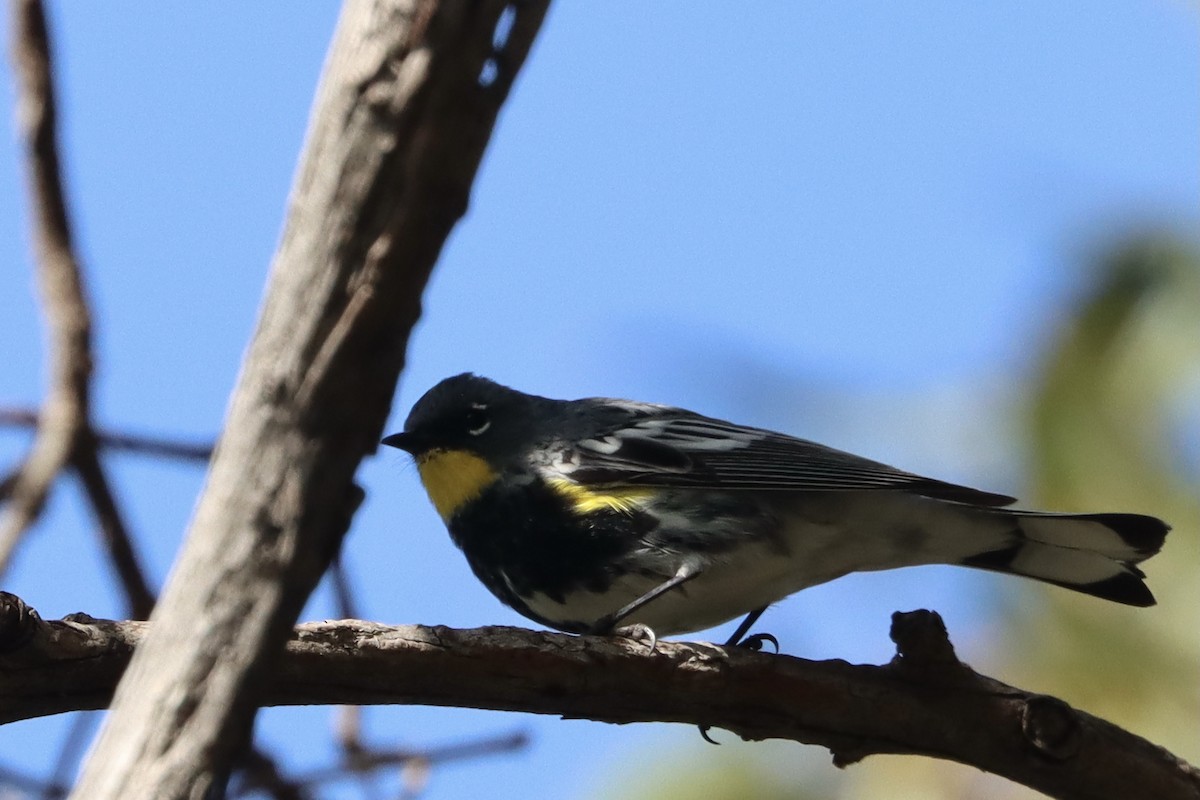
column 478, row 420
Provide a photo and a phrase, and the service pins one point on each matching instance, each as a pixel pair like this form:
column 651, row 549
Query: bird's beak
column 403, row 441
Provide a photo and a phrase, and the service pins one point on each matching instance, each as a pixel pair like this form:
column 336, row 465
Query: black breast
column 525, row 540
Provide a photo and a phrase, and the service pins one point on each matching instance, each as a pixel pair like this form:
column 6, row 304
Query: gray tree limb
column 406, row 105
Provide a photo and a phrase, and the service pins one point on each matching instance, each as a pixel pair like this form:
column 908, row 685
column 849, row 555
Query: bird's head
column 462, row 433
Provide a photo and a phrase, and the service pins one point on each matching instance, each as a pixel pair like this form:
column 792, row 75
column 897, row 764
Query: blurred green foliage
column 1114, row 418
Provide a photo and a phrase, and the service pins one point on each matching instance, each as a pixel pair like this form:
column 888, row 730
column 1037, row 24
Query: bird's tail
column 1096, row 554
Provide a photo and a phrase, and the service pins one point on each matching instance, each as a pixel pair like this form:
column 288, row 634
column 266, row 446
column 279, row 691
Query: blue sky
column 849, row 221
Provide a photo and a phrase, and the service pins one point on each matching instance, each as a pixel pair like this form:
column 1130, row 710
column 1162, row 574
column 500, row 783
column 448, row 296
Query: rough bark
column 399, row 126
column 925, row 701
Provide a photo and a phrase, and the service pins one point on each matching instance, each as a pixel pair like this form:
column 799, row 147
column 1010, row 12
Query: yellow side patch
column 586, row 501
column 453, row 478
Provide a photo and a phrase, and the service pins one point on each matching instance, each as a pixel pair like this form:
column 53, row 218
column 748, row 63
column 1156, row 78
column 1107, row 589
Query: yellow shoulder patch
column 453, row 478
column 585, row 500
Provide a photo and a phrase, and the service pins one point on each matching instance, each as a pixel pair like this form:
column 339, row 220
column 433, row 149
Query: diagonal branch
column 403, row 114
column 64, row 413
column 109, row 518
column 925, row 701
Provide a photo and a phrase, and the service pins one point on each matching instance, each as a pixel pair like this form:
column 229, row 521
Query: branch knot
column 1051, row 726
column 922, row 643
column 18, row 623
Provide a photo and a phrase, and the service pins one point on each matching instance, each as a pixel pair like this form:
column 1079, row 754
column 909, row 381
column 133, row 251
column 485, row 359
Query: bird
column 598, row 515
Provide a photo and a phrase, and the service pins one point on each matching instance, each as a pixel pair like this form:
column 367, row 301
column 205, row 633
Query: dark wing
column 675, row 448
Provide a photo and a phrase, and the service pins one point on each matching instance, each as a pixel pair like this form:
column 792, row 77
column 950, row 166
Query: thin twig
column 431, row 756
column 62, row 436
column 73, row 746
column 198, row 452
column 68, row 320
column 11, row 779
column 364, row 760
column 343, row 595
column 348, row 720
column 132, row 576
column 261, row 774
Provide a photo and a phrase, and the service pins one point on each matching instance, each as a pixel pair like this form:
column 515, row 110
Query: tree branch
column 400, row 123
column 200, row 452
column 64, row 413
column 925, row 701
column 63, row 436
column 116, row 535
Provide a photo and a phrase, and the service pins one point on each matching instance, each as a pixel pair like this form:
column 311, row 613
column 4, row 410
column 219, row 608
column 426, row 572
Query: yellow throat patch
column 453, row 478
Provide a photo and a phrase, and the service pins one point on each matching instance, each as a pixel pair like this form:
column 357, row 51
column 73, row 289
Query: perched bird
column 588, row 514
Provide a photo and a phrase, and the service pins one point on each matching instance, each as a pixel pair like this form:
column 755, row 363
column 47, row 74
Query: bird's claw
column 755, row 642
column 638, row 632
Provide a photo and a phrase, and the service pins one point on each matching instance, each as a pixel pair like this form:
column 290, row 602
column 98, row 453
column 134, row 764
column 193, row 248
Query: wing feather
column 670, row 447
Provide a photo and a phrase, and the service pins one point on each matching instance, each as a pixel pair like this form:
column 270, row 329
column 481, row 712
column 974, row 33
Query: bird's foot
column 636, row 631
column 640, row 633
column 755, row 642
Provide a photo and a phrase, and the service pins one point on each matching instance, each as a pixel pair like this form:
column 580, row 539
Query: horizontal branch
column 140, row 444
column 925, row 701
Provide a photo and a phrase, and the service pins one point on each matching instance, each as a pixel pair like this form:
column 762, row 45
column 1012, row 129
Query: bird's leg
column 744, row 626
column 754, row 642
column 608, row 623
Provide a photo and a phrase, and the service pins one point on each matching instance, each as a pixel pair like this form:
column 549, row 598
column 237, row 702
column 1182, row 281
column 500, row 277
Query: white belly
column 825, row 538
column 729, row 586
